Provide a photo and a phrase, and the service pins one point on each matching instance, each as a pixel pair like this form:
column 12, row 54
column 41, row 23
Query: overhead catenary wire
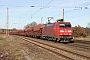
column 58, row 7
column 33, row 14
column 29, row 6
column 80, row 15
column 41, row 9
column 37, row 10
column 14, row 6
column 71, row 11
column 74, row 8
column 54, row 7
column 34, row 2
column 74, row 3
column 66, row 11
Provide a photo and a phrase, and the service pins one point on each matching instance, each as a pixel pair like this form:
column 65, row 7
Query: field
column 88, row 37
column 83, row 39
column 9, row 50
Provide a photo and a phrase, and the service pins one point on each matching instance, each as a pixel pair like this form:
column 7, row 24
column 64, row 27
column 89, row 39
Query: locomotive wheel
column 38, row 37
column 71, row 41
column 56, row 40
column 47, row 38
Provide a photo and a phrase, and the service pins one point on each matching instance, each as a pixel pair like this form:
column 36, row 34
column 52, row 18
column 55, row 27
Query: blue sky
column 20, row 12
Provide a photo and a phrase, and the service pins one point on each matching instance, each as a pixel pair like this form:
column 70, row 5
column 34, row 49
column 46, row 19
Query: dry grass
column 9, row 49
column 82, row 38
column 88, row 37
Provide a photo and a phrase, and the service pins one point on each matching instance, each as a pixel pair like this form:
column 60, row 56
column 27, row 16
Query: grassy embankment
column 87, row 38
column 9, row 50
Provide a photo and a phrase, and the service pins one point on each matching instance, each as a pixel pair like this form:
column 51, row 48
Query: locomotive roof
column 58, row 22
column 65, row 22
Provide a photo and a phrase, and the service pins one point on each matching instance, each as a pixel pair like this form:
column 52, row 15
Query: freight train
column 58, row 31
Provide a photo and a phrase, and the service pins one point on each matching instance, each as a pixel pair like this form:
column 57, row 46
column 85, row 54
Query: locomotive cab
column 64, row 31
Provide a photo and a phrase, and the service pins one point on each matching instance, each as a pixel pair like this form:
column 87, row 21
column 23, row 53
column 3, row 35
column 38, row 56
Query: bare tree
column 30, row 25
column 33, row 24
column 27, row 26
column 79, row 31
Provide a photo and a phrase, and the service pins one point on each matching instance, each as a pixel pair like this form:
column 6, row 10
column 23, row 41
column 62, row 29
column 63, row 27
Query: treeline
column 30, row 25
column 79, row 31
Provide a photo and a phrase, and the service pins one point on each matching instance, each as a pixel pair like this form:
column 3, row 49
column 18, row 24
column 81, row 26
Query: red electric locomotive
column 59, row 31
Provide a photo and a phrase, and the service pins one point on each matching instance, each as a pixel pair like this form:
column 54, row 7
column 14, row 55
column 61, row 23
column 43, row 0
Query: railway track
column 66, row 54
column 82, row 41
column 81, row 46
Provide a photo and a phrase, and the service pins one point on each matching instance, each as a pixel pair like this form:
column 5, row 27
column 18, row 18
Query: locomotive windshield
column 65, row 25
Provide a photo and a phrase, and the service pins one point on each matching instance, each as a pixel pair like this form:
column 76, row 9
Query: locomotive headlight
column 69, row 31
column 61, row 30
column 70, row 34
